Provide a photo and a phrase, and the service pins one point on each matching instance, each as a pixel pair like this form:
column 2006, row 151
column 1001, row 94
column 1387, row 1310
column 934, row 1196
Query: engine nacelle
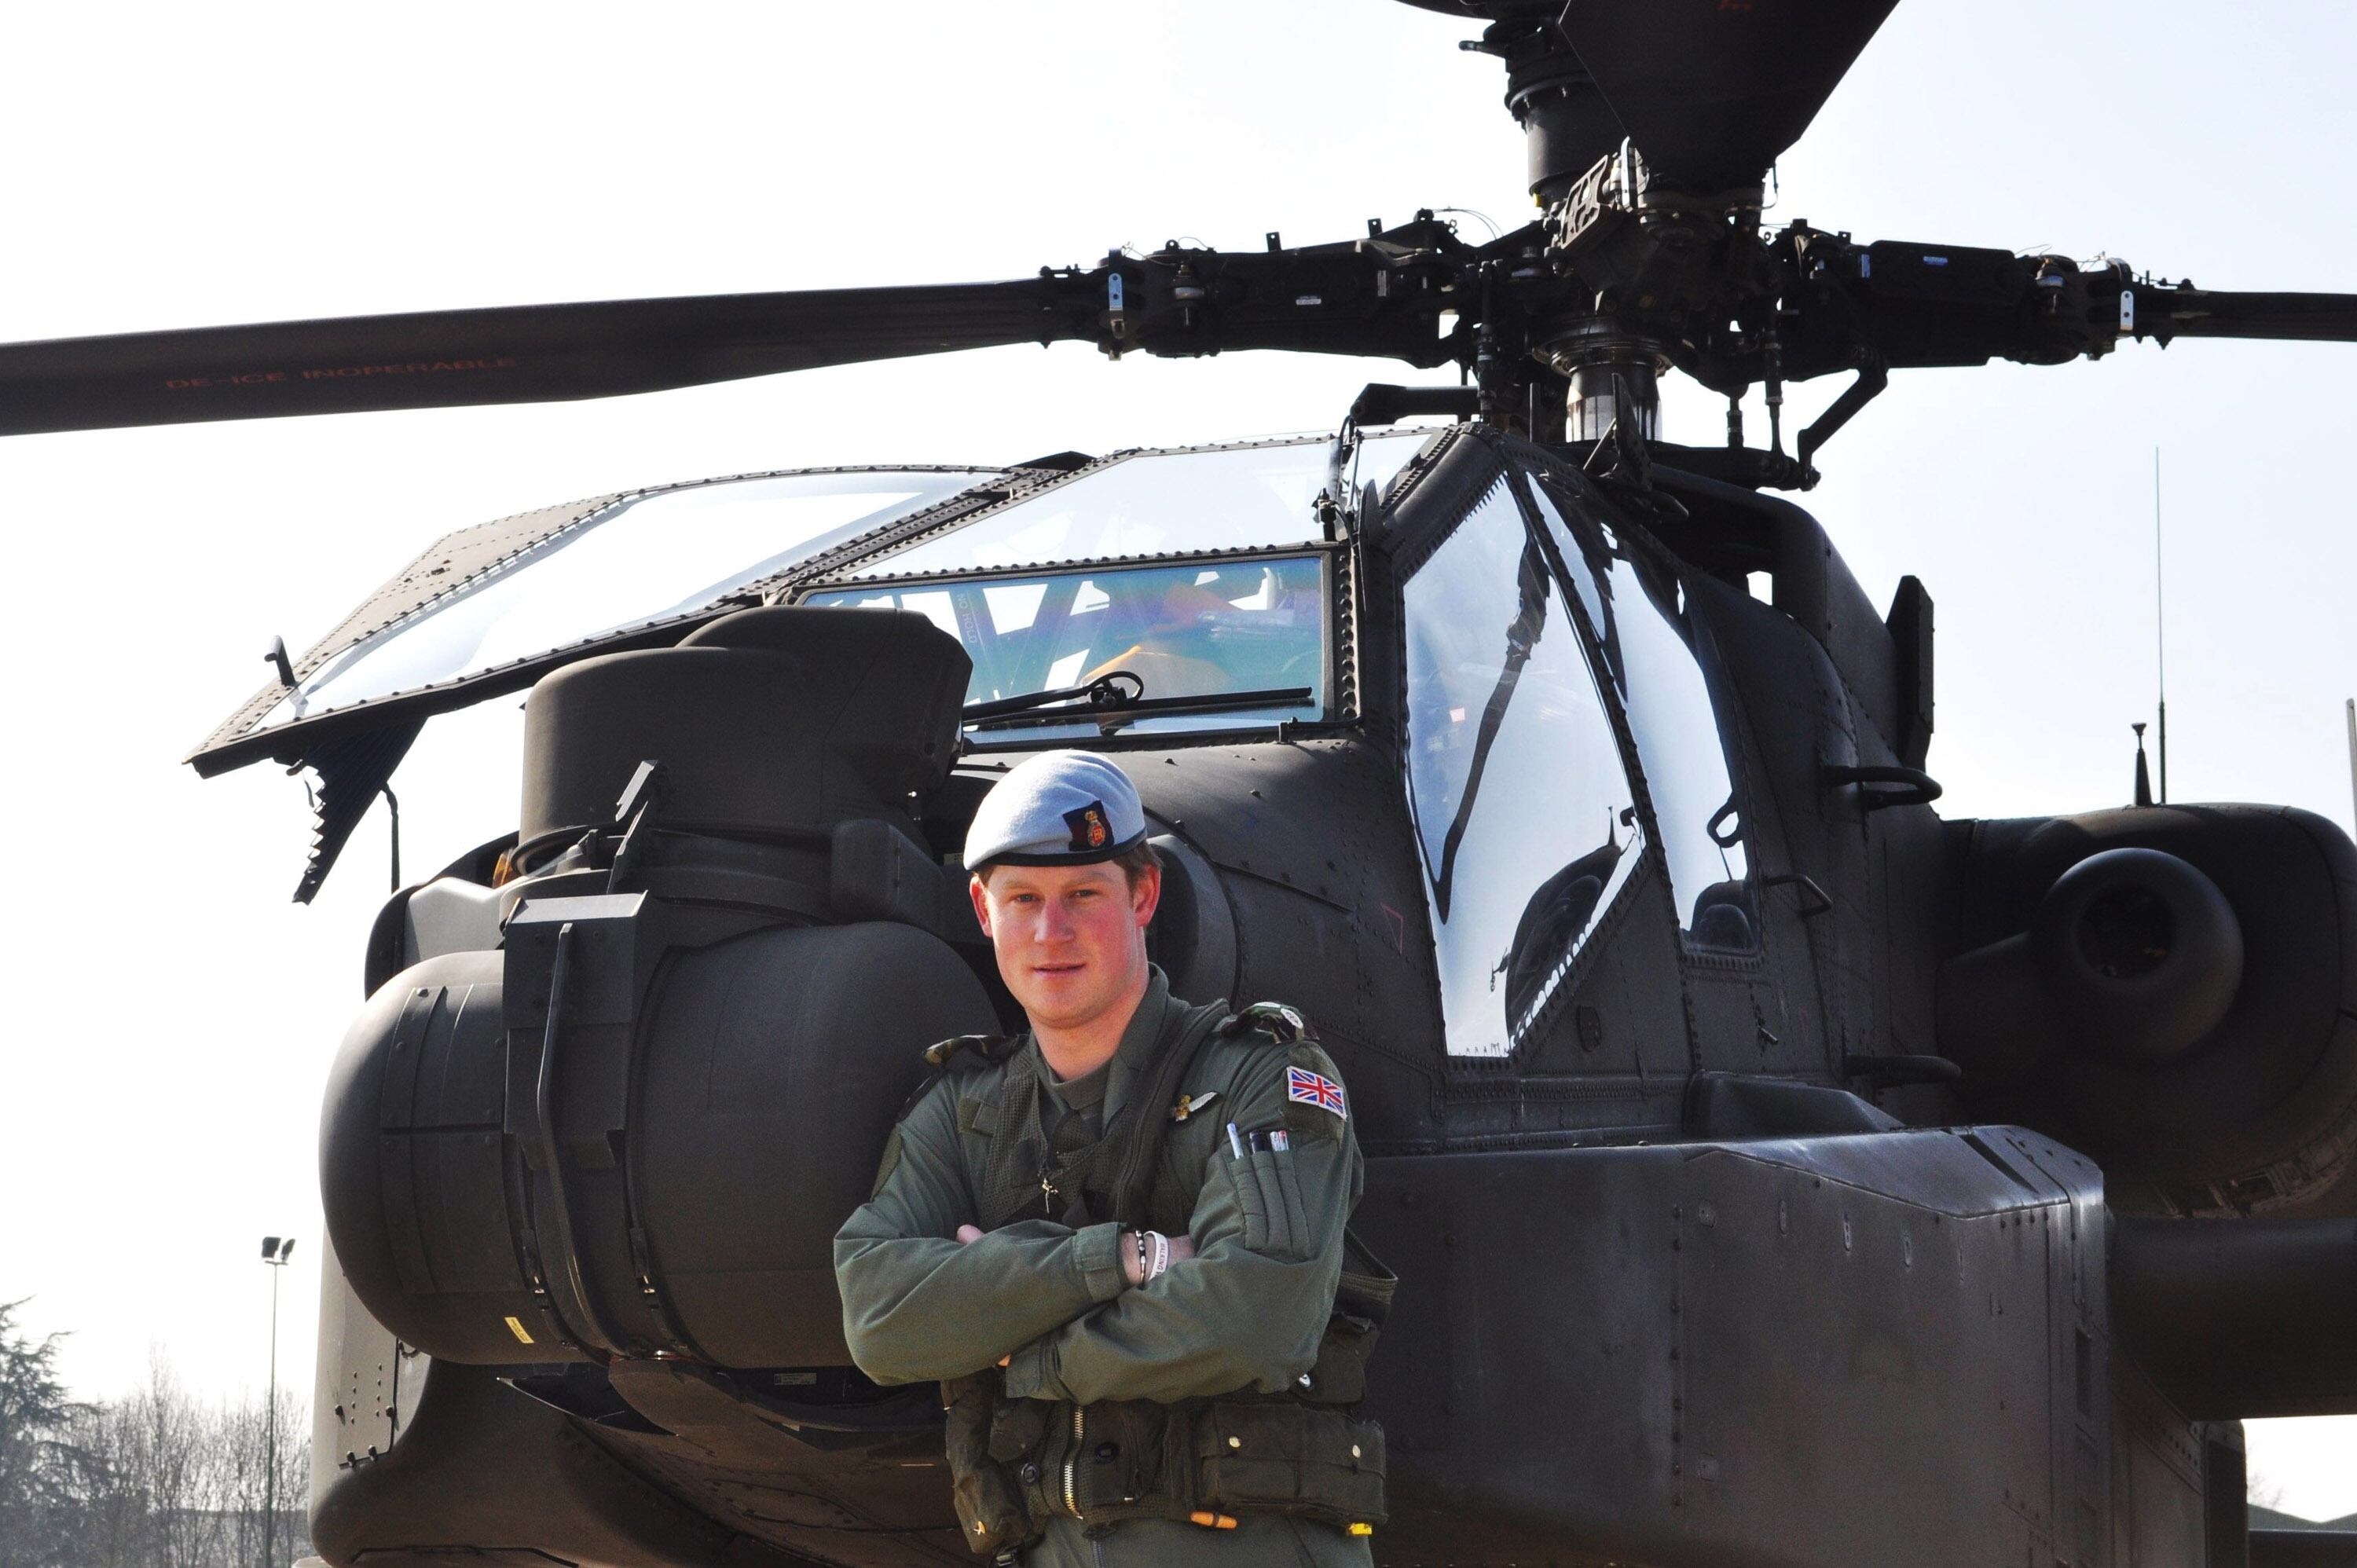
column 703, row 1172
column 2140, row 952
column 2172, row 990
column 632, row 1131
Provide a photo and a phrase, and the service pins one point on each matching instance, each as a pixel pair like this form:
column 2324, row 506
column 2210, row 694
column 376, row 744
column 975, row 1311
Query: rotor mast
column 1584, row 168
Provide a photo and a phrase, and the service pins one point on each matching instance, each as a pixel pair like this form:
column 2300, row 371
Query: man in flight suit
column 1117, row 1240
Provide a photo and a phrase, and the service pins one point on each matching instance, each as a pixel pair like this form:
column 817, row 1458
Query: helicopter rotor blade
column 1712, row 93
column 2184, row 311
column 451, row 358
column 1381, row 295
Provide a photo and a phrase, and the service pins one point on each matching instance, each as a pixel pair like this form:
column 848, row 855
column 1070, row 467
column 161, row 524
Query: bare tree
column 111, row 1519
column 243, row 1443
column 178, row 1482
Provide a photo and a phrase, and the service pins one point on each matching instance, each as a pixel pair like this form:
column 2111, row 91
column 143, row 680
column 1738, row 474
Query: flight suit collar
column 1149, row 1027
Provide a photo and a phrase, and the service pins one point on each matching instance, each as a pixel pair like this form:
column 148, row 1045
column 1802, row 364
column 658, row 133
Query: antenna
column 2350, row 710
column 2160, row 627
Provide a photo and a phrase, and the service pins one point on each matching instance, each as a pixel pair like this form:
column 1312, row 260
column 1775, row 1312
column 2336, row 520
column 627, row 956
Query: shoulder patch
column 1316, row 1106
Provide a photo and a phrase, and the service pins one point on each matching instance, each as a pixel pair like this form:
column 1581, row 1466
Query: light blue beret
column 1060, row 808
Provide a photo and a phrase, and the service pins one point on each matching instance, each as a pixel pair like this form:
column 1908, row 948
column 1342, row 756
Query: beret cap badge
column 1090, row 830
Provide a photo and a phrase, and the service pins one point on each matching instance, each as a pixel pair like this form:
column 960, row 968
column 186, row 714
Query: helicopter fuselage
column 1716, row 1092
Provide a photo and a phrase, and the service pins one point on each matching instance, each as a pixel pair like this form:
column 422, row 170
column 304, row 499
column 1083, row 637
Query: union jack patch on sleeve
column 1315, row 1088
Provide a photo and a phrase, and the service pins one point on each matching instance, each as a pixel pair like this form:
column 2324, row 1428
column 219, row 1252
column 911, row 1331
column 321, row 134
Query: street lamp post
column 275, row 1252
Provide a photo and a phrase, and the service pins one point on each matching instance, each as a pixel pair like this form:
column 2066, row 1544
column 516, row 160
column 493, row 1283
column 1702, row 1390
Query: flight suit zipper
column 1071, row 1462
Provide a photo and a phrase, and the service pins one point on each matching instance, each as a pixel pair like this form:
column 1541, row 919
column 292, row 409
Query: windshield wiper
column 1114, row 714
column 1104, row 691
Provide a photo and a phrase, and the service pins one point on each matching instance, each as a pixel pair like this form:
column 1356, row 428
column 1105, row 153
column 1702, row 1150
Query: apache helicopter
column 1910, row 1190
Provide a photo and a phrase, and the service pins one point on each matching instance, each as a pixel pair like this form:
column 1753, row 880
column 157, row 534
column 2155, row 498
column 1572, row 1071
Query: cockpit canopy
column 1205, row 572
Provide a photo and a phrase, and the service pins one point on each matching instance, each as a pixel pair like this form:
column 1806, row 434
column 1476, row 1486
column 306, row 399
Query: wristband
column 1161, row 1255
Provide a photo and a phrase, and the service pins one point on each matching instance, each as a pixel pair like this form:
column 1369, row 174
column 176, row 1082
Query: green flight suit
column 1247, row 1313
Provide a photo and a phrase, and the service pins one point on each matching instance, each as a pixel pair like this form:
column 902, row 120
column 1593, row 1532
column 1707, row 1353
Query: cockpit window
column 1524, row 812
column 1200, row 630
column 1166, row 503
column 641, row 560
column 1638, row 611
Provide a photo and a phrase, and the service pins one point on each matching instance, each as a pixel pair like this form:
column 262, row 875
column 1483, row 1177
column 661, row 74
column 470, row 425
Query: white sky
column 173, row 1016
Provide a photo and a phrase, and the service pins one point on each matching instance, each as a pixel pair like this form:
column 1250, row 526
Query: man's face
column 1071, row 940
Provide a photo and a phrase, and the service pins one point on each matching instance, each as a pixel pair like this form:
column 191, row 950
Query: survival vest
column 1016, row 1464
